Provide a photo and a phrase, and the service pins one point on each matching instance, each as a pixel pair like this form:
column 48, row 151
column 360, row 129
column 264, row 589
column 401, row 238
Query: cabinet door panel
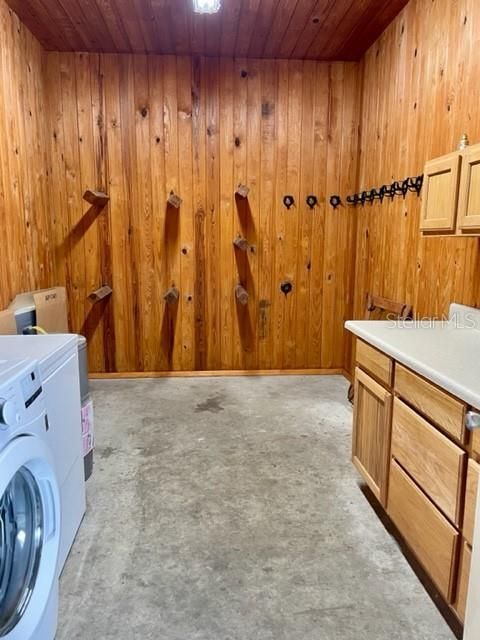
column 473, row 477
column 469, row 202
column 440, row 193
column 372, row 433
column 463, row 579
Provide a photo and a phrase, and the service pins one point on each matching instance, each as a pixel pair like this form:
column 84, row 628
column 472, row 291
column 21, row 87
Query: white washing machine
column 57, row 357
column 29, row 508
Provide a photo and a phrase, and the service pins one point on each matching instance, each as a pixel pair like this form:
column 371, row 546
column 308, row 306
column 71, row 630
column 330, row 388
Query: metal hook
column 335, row 201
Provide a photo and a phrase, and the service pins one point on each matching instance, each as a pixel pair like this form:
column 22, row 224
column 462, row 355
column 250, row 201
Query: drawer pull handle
column 472, row 420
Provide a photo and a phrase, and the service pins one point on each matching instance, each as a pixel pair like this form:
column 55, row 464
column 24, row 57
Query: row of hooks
column 397, row 188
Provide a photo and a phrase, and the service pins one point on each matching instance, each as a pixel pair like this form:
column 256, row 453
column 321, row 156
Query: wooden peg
column 241, row 243
column 100, row 294
column 171, row 296
column 242, row 190
column 96, row 198
column 241, row 294
column 174, row 200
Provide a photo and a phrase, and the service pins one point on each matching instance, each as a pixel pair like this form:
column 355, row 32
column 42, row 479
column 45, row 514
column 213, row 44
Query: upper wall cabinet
column 451, row 194
column 440, row 193
column 469, row 203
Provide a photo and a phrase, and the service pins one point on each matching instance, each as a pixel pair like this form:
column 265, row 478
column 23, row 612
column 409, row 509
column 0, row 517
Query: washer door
column 29, row 535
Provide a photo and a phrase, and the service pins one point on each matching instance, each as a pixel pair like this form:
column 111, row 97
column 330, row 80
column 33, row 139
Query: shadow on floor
column 448, row 615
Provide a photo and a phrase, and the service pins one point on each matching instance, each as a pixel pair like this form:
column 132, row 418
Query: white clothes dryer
column 30, row 511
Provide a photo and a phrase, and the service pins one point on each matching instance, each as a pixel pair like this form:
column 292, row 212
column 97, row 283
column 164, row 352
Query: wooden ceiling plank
column 313, row 30
column 363, row 36
column 163, row 28
column 281, row 22
column 230, row 20
column 180, row 25
column 146, row 23
column 262, row 27
column 114, row 26
column 342, row 30
column 213, row 30
column 35, row 18
column 62, row 22
column 197, row 34
column 357, row 15
column 87, row 29
column 246, row 24
column 130, row 19
column 91, row 12
column 297, row 24
column 336, row 16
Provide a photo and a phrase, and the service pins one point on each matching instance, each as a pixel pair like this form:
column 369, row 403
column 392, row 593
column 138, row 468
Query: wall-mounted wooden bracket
column 241, row 294
column 96, row 198
column 242, row 191
column 171, row 296
column 174, row 200
column 100, row 294
column 241, row 243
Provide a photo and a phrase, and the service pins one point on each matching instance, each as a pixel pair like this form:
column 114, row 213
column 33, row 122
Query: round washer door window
column 21, row 541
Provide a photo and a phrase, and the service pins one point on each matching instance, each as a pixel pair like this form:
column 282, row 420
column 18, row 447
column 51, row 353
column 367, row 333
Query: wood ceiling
column 312, row 29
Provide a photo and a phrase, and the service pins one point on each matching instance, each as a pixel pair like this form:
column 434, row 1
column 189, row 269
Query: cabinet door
column 463, row 579
column 372, row 433
column 440, row 193
column 469, row 199
column 471, row 493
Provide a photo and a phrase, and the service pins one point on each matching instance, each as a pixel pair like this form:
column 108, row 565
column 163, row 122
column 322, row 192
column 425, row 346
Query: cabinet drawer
column 463, row 578
column 447, row 412
column 429, row 535
column 471, row 492
column 375, row 362
column 433, row 461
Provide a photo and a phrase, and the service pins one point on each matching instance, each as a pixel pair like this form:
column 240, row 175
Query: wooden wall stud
column 171, row 295
column 96, row 198
column 241, row 243
column 100, row 294
column 242, row 191
column 241, row 294
column 174, row 200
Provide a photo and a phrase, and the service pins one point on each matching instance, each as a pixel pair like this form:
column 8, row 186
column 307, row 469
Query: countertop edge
column 446, row 383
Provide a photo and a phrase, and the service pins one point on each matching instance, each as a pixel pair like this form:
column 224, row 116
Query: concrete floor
column 227, row 509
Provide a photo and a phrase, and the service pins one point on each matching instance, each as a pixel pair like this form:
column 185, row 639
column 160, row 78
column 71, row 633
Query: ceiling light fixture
column 206, row 6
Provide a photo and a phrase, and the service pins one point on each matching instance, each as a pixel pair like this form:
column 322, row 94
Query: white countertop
column 447, row 353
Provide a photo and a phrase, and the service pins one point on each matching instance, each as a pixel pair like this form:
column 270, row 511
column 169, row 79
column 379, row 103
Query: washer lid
column 29, row 535
column 49, row 350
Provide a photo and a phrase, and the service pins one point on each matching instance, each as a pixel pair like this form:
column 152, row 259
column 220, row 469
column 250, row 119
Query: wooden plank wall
column 421, row 93
column 26, row 260
column 142, row 126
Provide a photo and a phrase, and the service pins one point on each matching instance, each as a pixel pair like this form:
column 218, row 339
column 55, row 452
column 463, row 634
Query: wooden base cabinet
column 411, row 447
column 372, row 433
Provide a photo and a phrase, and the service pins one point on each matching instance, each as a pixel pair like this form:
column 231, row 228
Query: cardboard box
column 49, row 307
column 7, row 323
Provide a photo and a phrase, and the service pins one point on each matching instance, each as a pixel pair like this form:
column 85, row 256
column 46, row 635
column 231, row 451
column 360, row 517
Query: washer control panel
column 21, row 397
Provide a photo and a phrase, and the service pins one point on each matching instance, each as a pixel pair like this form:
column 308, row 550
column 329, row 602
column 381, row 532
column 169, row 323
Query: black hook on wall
column 289, row 201
column 335, row 201
column 397, row 188
column 312, row 201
